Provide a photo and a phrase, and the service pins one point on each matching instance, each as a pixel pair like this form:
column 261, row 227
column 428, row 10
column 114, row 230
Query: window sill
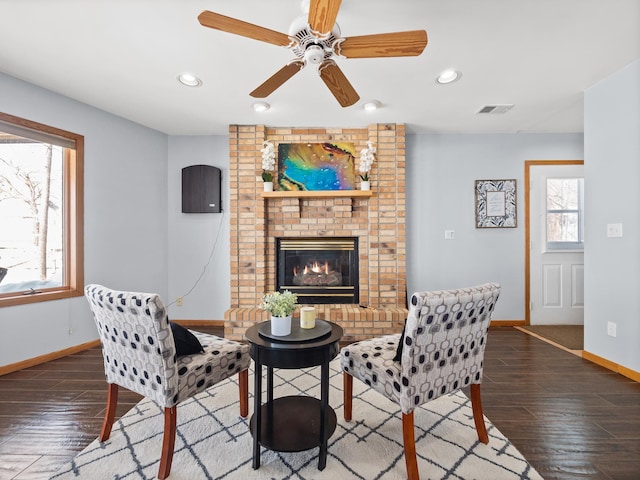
column 8, row 300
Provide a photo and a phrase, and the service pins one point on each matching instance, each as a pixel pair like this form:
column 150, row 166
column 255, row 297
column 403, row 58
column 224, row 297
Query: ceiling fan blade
column 323, row 14
column 277, row 79
column 244, row 29
column 398, row 44
column 333, row 77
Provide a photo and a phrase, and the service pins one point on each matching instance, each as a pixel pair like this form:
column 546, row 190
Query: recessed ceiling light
column 372, row 105
column 448, row 76
column 189, row 80
column 261, row 106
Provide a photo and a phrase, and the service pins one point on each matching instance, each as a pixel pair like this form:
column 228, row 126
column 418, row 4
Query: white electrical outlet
column 179, row 302
column 449, row 234
column 611, row 329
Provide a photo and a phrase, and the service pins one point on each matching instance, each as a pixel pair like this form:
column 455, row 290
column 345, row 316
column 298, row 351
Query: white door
column 556, row 226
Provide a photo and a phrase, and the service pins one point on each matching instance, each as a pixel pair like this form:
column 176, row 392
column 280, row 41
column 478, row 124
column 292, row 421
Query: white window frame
column 566, row 246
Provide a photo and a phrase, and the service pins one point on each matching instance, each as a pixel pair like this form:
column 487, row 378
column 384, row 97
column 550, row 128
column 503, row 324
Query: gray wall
column 137, row 238
column 441, row 174
column 441, row 170
column 199, row 259
column 612, row 195
column 125, row 221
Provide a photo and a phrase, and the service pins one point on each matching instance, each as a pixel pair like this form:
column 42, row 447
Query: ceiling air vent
column 495, row 109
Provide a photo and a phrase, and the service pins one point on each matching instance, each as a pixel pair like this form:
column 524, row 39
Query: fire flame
column 315, row 267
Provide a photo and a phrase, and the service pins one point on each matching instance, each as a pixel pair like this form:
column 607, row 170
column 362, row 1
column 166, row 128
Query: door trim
column 527, row 229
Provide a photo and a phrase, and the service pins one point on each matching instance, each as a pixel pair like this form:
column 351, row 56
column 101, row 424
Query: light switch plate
column 614, row 230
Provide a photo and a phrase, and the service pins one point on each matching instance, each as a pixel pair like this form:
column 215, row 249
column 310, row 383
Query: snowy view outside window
column 31, row 214
column 565, row 213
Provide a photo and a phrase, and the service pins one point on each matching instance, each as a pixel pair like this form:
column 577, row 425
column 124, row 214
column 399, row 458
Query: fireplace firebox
column 318, row 270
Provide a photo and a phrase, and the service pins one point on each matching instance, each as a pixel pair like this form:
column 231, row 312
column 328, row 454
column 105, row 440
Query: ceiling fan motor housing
column 309, row 46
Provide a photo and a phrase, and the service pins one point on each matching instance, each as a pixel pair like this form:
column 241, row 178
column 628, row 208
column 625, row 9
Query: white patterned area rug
column 214, row 442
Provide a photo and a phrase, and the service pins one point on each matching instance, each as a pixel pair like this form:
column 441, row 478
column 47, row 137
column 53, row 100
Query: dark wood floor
column 570, row 418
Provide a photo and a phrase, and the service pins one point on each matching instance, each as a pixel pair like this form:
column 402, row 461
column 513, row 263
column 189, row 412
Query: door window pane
column 563, row 227
column 565, row 213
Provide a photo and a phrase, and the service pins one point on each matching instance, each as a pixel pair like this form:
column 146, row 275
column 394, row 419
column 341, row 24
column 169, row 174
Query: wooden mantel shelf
column 317, row 194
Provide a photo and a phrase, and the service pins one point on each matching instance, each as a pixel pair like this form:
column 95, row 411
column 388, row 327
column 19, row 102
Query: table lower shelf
column 292, row 424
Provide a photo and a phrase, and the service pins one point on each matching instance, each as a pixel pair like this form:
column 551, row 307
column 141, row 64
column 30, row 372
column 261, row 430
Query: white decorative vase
column 365, row 185
column 268, row 186
column 280, row 326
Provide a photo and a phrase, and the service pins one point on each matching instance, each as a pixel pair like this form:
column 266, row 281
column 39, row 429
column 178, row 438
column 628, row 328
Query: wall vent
column 495, row 109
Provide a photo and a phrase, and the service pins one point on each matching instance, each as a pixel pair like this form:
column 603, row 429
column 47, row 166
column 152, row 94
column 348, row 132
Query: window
column 41, row 212
column 565, row 214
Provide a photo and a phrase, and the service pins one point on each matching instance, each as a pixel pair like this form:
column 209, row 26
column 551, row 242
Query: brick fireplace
column 258, row 220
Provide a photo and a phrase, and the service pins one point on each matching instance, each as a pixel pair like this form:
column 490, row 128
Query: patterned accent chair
column 140, row 354
column 443, row 347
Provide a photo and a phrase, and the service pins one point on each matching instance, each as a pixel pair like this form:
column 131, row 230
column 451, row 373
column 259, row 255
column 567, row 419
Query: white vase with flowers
column 366, row 161
column 268, row 165
column 281, row 306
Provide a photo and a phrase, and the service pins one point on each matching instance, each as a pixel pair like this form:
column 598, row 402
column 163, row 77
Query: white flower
column 268, row 157
column 366, row 160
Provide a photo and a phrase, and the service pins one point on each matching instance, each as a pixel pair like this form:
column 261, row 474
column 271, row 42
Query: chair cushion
column 221, row 359
column 372, row 361
column 186, row 342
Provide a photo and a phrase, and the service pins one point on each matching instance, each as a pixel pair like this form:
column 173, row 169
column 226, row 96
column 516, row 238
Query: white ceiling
column 123, row 56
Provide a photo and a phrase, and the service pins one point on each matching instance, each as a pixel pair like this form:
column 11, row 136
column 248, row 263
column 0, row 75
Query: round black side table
column 293, row 423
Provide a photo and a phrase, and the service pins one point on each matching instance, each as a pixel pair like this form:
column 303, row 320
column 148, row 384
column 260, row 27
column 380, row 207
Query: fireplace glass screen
column 319, row 270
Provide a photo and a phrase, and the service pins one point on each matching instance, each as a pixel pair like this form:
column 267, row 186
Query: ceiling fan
column 316, row 40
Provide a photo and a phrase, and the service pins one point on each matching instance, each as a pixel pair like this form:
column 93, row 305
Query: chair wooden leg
column 478, row 418
column 347, row 384
column 168, row 442
column 243, row 383
column 110, row 413
column 409, row 439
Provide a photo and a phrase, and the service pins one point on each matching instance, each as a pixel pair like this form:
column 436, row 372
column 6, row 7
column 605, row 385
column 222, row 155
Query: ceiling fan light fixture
column 314, row 54
column 261, row 106
column 448, row 76
column 372, row 105
column 189, row 79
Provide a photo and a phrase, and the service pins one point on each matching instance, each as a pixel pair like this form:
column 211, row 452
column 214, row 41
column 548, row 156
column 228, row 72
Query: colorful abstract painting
column 316, row 166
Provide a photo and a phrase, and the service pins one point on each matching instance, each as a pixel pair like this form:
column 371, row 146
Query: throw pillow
column 186, row 342
column 398, row 356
